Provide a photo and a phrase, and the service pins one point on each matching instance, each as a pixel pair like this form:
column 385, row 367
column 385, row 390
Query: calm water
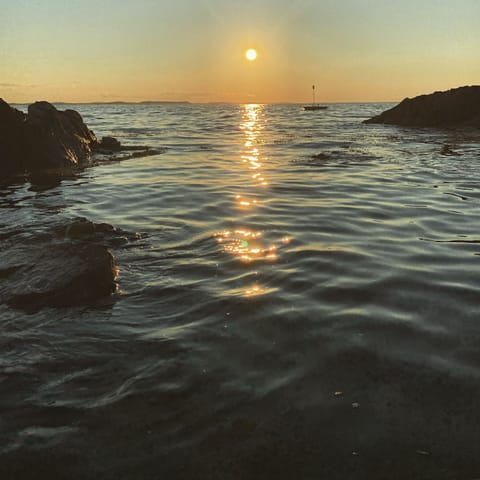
column 303, row 303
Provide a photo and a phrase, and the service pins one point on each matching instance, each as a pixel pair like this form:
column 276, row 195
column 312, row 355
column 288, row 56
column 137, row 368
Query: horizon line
column 188, row 102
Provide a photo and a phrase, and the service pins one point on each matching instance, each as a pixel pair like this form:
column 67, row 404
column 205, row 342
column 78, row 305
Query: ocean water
column 303, row 302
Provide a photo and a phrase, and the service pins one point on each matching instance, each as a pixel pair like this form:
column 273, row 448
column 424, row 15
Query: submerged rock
column 459, row 107
column 70, row 264
column 320, row 156
column 110, row 144
column 55, row 273
column 448, row 151
column 100, row 233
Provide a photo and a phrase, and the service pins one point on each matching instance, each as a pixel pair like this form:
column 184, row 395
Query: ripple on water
column 283, row 257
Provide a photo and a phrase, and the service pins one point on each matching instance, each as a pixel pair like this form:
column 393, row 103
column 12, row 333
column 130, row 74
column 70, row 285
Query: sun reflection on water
column 252, row 128
column 247, row 245
column 253, row 291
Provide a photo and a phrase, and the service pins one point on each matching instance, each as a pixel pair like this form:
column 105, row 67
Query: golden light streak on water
column 253, row 291
column 247, row 245
column 252, row 128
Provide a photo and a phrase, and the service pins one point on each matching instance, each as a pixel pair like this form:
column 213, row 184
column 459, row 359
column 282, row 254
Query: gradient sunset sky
column 134, row 50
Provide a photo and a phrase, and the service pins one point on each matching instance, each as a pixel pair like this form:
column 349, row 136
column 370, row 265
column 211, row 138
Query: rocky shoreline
column 47, row 139
column 455, row 108
column 67, row 263
column 70, row 263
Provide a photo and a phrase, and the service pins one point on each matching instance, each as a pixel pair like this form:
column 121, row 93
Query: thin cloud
column 16, row 85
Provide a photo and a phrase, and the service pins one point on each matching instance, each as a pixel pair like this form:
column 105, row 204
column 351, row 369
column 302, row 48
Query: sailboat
column 314, row 106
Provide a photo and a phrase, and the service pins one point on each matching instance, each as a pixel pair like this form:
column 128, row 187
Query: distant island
column 147, row 102
column 144, row 102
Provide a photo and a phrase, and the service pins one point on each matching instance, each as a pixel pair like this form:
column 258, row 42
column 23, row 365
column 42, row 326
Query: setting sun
column 251, row 54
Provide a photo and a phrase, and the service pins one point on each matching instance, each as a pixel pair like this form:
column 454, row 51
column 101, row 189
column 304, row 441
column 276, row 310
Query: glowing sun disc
column 251, row 54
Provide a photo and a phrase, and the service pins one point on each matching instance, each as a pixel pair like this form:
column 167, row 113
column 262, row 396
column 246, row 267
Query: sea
column 302, row 302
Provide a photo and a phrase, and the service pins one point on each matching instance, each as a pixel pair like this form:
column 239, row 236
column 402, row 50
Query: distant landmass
column 164, row 101
column 144, row 102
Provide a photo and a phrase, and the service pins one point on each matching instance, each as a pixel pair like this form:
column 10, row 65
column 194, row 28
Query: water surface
column 303, row 303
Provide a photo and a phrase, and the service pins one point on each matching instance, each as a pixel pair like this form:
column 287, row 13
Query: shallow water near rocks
column 303, row 301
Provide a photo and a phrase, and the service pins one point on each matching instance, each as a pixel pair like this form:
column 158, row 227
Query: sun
column 251, row 54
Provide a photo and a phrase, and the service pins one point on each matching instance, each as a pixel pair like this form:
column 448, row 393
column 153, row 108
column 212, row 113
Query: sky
column 194, row 50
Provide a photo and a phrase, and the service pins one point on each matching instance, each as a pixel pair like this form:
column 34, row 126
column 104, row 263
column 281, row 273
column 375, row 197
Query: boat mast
column 313, row 94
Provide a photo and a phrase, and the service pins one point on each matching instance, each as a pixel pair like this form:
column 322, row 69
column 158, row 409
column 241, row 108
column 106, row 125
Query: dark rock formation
column 56, row 139
column 448, row 151
column 320, row 156
column 49, row 139
column 11, row 137
column 45, row 138
column 68, row 265
column 99, row 233
column 109, row 144
column 55, row 273
column 136, row 152
column 459, row 107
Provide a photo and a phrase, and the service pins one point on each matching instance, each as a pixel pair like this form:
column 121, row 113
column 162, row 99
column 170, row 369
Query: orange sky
column 353, row 50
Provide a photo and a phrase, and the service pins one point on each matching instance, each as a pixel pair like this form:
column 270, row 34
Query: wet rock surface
column 109, row 144
column 49, row 139
column 55, row 274
column 70, row 264
column 458, row 107
column 45, row 138
column 56, row 139
column 99, row 233
column 447, row 150
column 62, row 264
column 11, row 138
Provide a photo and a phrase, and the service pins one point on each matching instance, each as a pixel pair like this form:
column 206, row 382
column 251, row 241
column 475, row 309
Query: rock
column 100, row 233
column 109, row 149
column 45, row 138
column 56, row 139
column 447, row 150
column 55, row 273
column 68, row 264
column 459, row 107
column 109, row 144
column 136, row 153
column 49, row 141
column 80, row 228
column 320, row 156
column 11, row 138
